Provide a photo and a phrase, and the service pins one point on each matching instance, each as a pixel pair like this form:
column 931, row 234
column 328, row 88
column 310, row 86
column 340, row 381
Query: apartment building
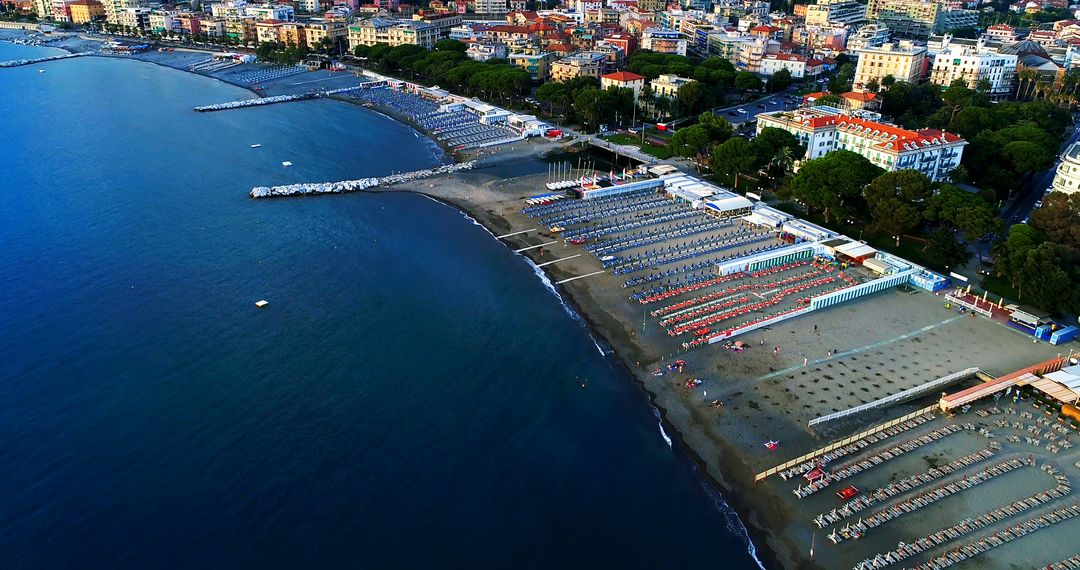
column 483, row 51
column 973, row 66
column 664, row 41
column 535, row 62
column 842, row 12
column 904, row 61
column 668, row 85
column 491, row 6
column 85, row 11
column 585, row 64
column 799, row 66
column 393, row 32
column 934, row 153
column 868, row 36
column 280, row 12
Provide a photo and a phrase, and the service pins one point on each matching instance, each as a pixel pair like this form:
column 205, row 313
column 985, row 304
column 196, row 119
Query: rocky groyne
column 271, row 100
column 355, row 185
column 21, row 62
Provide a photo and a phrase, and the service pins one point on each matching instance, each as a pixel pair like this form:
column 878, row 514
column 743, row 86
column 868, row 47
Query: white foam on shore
column 660, row 424
column 732, row 520
column 543, row 279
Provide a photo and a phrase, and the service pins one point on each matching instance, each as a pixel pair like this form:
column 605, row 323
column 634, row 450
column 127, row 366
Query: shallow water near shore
column 411, row 397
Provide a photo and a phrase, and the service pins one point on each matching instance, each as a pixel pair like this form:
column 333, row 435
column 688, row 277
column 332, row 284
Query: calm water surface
column 410, row 398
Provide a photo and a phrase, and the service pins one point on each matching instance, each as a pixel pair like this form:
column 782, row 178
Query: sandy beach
column 854, row 353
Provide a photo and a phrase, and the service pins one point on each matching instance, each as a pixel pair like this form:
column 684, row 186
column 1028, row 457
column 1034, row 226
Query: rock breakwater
column 355, row 185
column 21, row 62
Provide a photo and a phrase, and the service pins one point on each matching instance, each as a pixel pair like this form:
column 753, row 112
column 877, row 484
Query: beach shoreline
column 724, row 449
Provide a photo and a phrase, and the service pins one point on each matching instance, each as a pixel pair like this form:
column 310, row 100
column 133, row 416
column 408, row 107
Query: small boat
column 41, row 71
column 256, row 145
column 262, row 303
column 286, row 164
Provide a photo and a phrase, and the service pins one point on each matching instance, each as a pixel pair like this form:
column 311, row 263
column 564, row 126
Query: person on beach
column 830, row 354
column 805, row 361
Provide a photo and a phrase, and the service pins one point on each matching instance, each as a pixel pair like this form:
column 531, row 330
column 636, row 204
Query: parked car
column 1038, row 203
column 742, row 111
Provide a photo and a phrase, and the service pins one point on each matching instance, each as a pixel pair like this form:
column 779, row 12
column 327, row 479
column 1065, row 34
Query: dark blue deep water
column 407, row 400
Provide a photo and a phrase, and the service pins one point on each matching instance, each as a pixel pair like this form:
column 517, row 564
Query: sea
column 412, row 397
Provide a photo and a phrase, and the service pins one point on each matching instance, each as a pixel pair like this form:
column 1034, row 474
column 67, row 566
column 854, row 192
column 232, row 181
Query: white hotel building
column 1067, row 178
column 824, row 129
column 973, row 65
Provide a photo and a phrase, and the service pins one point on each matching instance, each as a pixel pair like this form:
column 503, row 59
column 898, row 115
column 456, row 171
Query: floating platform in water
column 261, row 304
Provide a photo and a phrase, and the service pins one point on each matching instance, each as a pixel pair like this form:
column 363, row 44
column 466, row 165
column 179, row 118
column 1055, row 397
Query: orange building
column 85, row 11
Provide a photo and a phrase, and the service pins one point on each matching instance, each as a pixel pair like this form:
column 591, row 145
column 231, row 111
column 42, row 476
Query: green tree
column 833, row 183
column 896, row 201
column 450, row 45
column 829, row 100
column 731, row 158
column 746, row 81
column 588, row 104
column 778, row 81
column 942, row 249
column 693, row 98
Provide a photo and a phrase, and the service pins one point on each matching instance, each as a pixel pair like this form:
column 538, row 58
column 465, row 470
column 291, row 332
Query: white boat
column 262, row 303
column 286, row 164
column 41, row 71
column 256, row 145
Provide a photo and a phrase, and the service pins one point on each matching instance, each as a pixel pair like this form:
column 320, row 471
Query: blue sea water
column 410, row 399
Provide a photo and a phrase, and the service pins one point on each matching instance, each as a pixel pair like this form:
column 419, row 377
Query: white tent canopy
column 856, row 249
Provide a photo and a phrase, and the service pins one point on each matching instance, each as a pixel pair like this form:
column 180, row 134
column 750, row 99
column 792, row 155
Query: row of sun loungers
column 876, row 459
column 1070, row 563
column 903, row 486
column 968, row 526
column 271, row 73
column 860, row 444
column 930, row 497
column 649, row 237
column 549, row 209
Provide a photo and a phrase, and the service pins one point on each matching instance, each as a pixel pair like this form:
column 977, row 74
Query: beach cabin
column 727, row 205
column 855, row 251
column 1028, row 318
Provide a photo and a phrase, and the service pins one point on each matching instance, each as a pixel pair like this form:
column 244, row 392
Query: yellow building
column 316, row 31
column 904, row 61
column 85, row 11
column 392, row 32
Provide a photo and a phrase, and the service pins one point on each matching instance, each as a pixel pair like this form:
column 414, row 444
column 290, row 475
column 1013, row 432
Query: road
column 1032, row 191
column 774, row 102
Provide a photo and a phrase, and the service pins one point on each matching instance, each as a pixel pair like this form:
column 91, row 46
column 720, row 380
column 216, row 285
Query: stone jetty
column 21, row 62
column 355, row 185
column 255, row 102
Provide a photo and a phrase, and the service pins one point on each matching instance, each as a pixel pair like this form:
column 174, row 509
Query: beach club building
column 825, row 129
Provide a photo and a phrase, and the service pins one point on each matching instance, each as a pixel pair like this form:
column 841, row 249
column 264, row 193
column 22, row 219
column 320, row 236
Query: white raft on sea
column 355, row 185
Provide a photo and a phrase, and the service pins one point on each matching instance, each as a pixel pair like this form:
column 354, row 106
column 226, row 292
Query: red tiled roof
column 764, row 28
column 894, row 138
column 561, row 48
column 510, row 29
column 623, row 76
column 856, row 96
